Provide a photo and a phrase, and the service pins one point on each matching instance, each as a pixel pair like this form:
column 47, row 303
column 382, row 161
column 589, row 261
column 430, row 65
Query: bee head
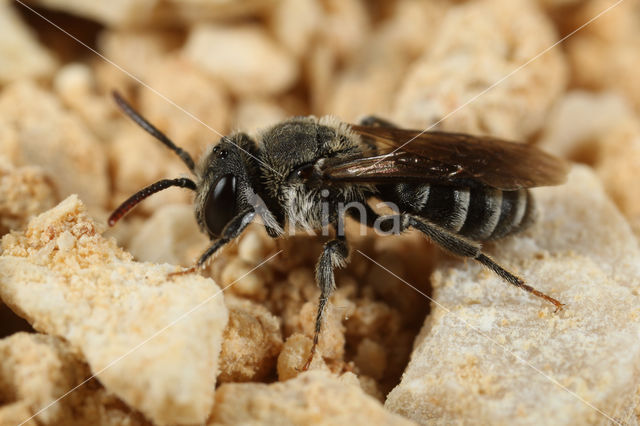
column 224, row 188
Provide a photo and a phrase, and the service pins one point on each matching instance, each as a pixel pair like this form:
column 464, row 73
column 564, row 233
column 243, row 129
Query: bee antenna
column 132, row 201
column 153, row 131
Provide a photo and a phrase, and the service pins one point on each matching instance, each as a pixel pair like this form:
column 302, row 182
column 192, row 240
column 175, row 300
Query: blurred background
column 562, row 74
column 198, row 69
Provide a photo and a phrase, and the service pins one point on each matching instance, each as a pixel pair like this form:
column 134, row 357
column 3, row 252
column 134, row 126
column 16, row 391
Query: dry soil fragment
column 21, row 56
column 47, row 135
column 579, row 121
column 557, row 4
column 24, row 192
column 75, row 85
column 116, row 13
column 252, row 115
column 606, row 53
column 138, row 52
column 252, row 341
column 193, row 11
column 312, row 398
column 153, row 342
column 36, row 370
column 295, row 354
column 618, row 168
column 294, row 23
column 461, row 66
column 203, row 98
column 171, row 235
column 243, row 57
column 475, row 361
column 602, row 130
column 137, row 160
column 371, row 81
column 345, row 26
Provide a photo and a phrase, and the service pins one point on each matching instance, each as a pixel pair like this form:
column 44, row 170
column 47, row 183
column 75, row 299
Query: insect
column 458, row 190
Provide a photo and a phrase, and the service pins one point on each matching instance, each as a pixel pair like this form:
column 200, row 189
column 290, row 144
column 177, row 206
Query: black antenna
column 150, row 128
column 145, row 192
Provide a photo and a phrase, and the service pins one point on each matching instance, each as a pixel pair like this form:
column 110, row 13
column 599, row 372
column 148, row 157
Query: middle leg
column 334, row 255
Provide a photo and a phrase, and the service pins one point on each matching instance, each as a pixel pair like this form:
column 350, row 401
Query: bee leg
column 229, row 233
column 334, row 254
column 463, row 247
column 454, row 243
column 515, row 280
column 375, row 121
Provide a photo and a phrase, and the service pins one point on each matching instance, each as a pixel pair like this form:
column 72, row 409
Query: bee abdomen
column 494, row 213
column 478, row 213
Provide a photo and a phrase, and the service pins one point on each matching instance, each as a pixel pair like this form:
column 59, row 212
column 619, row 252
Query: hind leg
column 453, row 243
column 463, row 247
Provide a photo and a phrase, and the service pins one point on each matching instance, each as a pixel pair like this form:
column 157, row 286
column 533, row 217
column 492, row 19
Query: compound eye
column 220, row 205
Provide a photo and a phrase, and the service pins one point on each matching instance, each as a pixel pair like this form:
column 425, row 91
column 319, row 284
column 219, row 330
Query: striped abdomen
column 479, row 213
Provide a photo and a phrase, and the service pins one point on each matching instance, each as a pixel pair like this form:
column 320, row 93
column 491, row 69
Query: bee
column 458, row 190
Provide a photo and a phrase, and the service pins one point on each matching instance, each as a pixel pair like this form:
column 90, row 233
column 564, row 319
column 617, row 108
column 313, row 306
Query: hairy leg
column 334, row 255
column 463, row 247
column 453, row 243
column 229, row 233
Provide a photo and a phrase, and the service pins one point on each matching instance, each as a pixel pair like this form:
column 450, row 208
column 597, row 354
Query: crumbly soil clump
column 94, row 328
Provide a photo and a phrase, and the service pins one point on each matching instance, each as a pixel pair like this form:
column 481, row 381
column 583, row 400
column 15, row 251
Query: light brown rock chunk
column 605, row 54
column 138, row 52
column 579, row 121
column 37, row 370
column 295, row 354
column 114, row 13
column 137, row 159
column 24, row 192
column 312, row 398
column 245, row 58
column 488, row 350
column 195, row 11
column 21, row 56
column 47, row 135
column 370, row 83
column 154, row 13
column 253, row 115
column 478, row 44
column 618, row 168
column 295, row 22
column 252, row 341
column 75, row 85
column 171, row 235
column 345, row 26
column 553, row 4
column 153, row 342
column 204, row 99
column 603, row 131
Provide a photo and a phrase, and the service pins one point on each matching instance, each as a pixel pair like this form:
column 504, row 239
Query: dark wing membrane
column 447, row 158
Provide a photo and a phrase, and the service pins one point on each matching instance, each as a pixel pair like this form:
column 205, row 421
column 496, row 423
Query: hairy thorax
column 316, row 209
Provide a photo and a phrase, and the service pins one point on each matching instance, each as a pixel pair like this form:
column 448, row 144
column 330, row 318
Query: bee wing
column 447, row 158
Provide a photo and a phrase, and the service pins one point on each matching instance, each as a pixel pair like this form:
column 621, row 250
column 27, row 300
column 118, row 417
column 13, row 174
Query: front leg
column 334, row 254
column 229, row 233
